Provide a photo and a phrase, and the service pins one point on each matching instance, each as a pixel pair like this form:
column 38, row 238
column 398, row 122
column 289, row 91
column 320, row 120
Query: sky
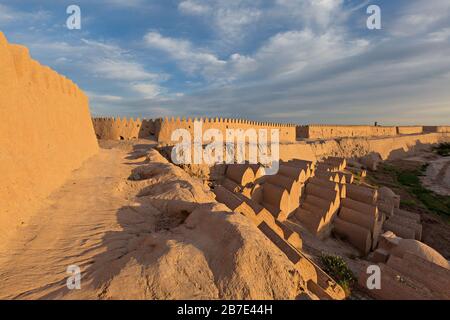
column 296, row 61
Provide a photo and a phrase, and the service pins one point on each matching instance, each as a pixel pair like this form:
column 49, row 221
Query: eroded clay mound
column 215, row 254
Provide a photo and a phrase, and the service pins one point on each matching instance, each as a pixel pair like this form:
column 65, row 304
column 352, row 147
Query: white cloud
column 312, row 13
column 9, row 15
column 294, row 51
column 282, row 54
column 231, row 21
column 119, row 69
column 235, row 20
column 147, row 90
column 440, row 36
column 229, row 18
column 6, row 14
column 193, row 7
column 126, row 3
column 103, row 97
column 420, row 17
column 191, row 59
column 113, row 62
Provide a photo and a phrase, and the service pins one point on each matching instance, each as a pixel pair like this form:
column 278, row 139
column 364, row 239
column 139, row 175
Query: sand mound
column 421, row 250
column 214, row 254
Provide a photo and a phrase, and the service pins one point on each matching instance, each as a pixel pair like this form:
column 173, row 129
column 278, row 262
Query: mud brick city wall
column 337, row 131
column 162, row 129
column 46, row 131
column 437, row 129
column 125, row 129
column 410, row 130
column 287, row 131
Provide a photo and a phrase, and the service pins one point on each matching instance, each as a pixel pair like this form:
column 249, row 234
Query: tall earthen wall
column 438, row 129
column 341, row 131
column 125, row 129
column 162, row 129
column 410, row 130
column 45, row 133
column 287, row 132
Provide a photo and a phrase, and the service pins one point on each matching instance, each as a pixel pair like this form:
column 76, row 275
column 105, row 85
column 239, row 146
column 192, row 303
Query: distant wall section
column 125, row 129
column 341, row 131
column 410, row 130
column 437, row 129
column 286, row 131
column 162, row 129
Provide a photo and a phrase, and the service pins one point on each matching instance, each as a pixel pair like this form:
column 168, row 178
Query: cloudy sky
column 302, row 61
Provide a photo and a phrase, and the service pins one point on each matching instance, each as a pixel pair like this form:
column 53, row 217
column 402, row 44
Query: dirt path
column 69, row 230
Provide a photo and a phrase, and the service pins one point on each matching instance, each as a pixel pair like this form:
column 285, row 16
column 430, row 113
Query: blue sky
column 304, row 61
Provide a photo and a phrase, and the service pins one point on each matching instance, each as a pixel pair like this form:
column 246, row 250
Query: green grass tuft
column 337, row 268
column 443, row 149
column 410, row 179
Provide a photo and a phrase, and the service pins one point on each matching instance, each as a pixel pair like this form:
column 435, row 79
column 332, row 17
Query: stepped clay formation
column 332, row 176
column 276, row 200
column 288, row 241
column 307, row 166
column 358, row 236
column 340, row 188
column 319, row 207
column 258, row 171
column 241, row 174
column 296, row 173
column 362, row 194
column 340, row 162
column 292, row 186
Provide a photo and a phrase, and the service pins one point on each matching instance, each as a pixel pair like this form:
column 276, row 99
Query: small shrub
column 337, row 268
column 443, row 149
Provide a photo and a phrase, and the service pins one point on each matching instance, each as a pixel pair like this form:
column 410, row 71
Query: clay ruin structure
column 223, row 231
column 343, row 131
column 162, row 128
column 409, row 270
column 358, row 215
column 124, row 128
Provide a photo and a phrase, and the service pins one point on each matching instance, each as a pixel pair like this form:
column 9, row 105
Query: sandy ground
column 69, row 230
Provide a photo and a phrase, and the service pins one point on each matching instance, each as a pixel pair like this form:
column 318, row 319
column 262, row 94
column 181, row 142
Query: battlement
column 162, row 128
column 320, row 131
column 117, row 128
column 287, row 131
column 29, row 74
